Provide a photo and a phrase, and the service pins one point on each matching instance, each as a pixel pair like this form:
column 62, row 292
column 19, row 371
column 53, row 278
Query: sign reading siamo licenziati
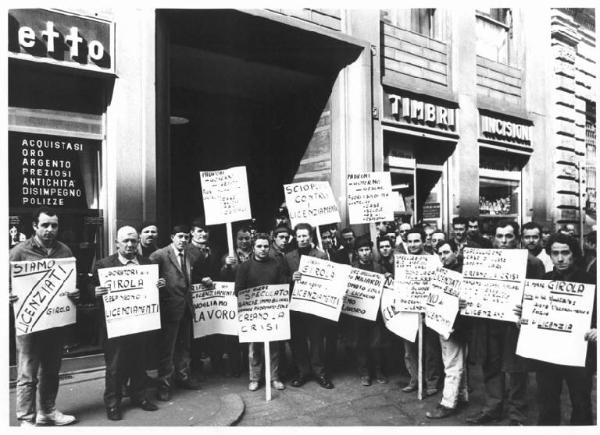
column 47, row 170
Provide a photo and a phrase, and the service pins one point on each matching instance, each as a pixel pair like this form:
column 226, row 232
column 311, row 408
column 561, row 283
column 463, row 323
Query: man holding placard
column 124, row 355
column 260, row 270
column 40, row 353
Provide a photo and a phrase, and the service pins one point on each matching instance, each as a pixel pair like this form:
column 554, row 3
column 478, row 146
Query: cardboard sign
column 363, row 294
column 493, row 281
column 215, row 309
column 556, row 315
column 369, row 197
column 131, row 304
column 264, row 314
column 225, row 195
column 42, row 287
column 401, row 323
column 311, row 202
column 442, row 301
column 413, row 274
column 321, row 289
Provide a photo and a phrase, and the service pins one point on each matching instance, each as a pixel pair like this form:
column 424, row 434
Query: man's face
column 473, row 229
column 392, row 236
column 281, row 240
column 385, row 249
column 303, row 238
column 127, row 242
column 415, row 244
column 459, row 231
column 428, row 233
column 403, row 230
column 364, row 254
column 447, row 256
column 261, row 249
column 243, row 240
column 180, row 240
column 505, row 238
column 561, row 256
column 326, row 239
column 46, row 228
column 381, row 227
column 531, row 239
column 436, row 238
column 149, row 235
column 199, row 235
column 545, row 237
column 348, row 240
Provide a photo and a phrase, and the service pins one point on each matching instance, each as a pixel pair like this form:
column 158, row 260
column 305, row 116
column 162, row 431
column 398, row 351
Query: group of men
column 259, row 259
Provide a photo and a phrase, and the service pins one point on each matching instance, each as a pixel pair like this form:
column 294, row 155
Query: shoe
column 481, row 418
column 409, row 388
column 365, row 381
column 440, row 411
column 278, row 385
column 298, row 381
column 381, row 378
column 114, row 413
column 27, row 423
column 145, row 404
column 188, row 384
column 431, row 392
column 163, row 393
column 253, row 386
column 325, row 382
column 55, row 418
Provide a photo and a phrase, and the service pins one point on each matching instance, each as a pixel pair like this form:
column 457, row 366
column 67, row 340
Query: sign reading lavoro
column 407, row 110
column 47, row 170
column 215, row 309
column 61, row 38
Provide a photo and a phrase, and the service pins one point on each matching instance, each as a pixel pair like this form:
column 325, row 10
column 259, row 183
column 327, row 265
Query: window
column 426, row 22
column 494, row 34
column 590, row 157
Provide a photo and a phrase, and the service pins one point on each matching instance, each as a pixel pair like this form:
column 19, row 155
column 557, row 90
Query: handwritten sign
column 264, row 314
column 413, row 274
column 225, row 195
column 369, row 197
column 215, row 309
column 311, row 202
column 555, row 317
column 401, row 323
column 131, row 304
column 442, row 301
column 42, row 288
column 321, row 289
column 493, row 281
column 363, row 294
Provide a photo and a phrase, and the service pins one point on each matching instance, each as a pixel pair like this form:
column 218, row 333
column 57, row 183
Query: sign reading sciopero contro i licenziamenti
column 47, row 170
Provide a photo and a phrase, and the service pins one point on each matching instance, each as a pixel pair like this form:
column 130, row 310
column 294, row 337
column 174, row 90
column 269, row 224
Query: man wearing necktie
column 176, row 314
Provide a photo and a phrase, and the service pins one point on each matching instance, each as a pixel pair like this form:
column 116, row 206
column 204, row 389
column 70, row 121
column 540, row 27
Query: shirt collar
column 124, row 260
column 176, row 250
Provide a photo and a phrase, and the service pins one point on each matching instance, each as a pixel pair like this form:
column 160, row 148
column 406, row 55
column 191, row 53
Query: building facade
column 112, row 114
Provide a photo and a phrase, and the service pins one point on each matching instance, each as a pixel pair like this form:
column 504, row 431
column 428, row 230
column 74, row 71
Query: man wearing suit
column 176, row 311
column 402, row 241
column 124, row 355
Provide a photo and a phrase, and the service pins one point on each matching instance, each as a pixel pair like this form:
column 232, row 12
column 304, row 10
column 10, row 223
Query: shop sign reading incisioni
column 504, row 130
column 408, row 110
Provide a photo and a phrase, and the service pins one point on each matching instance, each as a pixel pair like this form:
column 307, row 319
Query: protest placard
column 401, row 323
column 555, row 317
column 369, row 197
column 413, row 274
column 131, row 304
column 363, row 294
column 493, row 281
column 263, row 313
column 320, row 290
column 215, row 309
column 42, row 287
column 442, row 302
column 225, row 195
column 311, row 202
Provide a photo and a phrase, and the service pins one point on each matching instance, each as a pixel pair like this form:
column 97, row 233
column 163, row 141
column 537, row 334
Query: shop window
column 494, row 32
column 426, row 22
column 498, row 197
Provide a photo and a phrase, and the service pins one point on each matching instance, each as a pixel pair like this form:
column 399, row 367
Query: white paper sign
column 321, row 289
column 131, row 304
column 556, row 315
column 215, row 309
column 311, row 202
column 264, row 314
column 401, row 323
column 493, row 281
column 413, row 274
column 442, row 301
column 225, row 195
column 42, row 287
column 369, row 197
column 363, row 294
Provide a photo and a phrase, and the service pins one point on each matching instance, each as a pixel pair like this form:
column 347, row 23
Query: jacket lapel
column 173, row 258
